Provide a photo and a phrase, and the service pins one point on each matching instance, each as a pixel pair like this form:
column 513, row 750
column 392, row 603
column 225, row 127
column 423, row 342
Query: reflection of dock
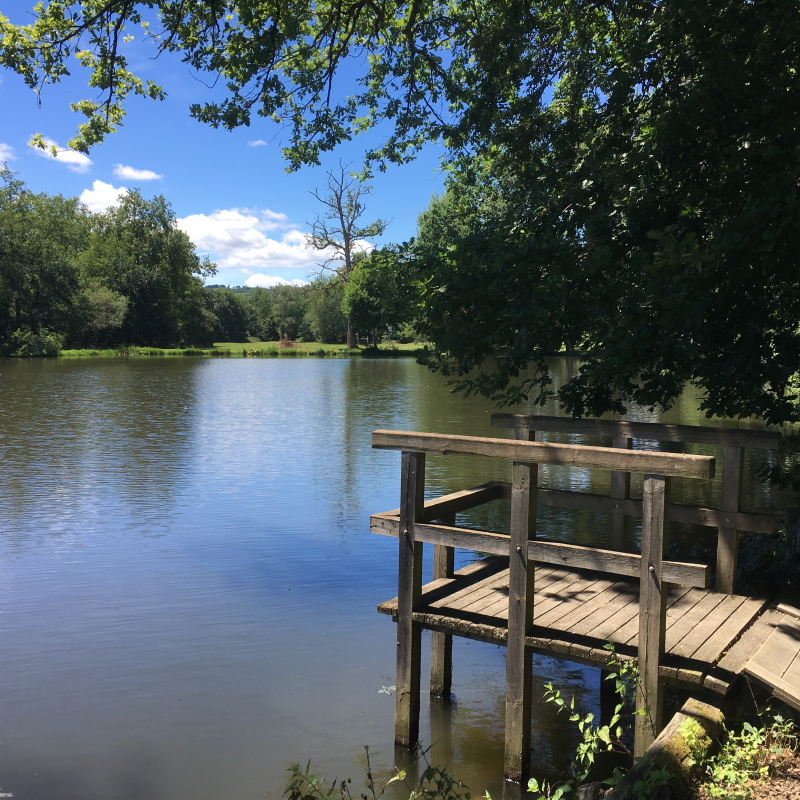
column 568, row 601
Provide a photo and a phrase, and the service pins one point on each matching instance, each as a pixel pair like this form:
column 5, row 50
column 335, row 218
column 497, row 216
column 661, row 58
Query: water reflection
column 188, row 584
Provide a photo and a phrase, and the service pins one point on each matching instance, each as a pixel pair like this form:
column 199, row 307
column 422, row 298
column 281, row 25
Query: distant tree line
column 129, row 276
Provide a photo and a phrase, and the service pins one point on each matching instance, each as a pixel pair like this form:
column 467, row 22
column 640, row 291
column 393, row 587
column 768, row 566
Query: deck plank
column 721, row 638
column 711, row 621
column 752, row 639
column 702, row 604
column 594, row 622
column 482, row 605
column 577, row 611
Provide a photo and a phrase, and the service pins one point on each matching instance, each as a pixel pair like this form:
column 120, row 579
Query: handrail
column 658, row 431
column 571, row 455
column 545, row 552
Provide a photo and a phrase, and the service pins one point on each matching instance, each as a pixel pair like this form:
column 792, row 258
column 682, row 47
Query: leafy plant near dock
column 745, row 757
column 595, row 738
column 435, row 783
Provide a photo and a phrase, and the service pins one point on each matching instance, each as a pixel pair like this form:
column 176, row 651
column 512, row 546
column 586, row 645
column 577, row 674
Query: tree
column 40, row 236
column 288, row 309
column 338, row 233
column 650, row 152
column 325, row 318
column 379, row 295
column 231, row 317
column 258, row 309
column 137, row 250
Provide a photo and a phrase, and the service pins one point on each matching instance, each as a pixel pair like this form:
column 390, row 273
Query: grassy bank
column 253, row 350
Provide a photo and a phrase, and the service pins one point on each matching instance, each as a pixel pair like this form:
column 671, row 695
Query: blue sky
column 234, row 198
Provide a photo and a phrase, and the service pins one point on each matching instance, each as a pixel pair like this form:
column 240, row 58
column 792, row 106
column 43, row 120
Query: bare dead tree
column 337, row 232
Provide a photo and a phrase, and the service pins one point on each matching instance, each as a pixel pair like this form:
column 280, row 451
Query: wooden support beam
column 661, row 432
column 652, row 612
column 565, row 555
column 728, row 537
column 440, row 507
column 620, row 490
column 442, row 643
column 570, row 455
column 520, row 625
column 409, row 595
column 528, row 435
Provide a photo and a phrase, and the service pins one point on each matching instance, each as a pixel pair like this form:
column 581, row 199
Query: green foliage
column 288, row 310
column 39, row 238
column 231, row 324
column 746, row 756
column 435, row 783
column 137, row 250
column 594, row 738
column 324, row 316
column 378, row 295
column 258, row 308
column 30, row 344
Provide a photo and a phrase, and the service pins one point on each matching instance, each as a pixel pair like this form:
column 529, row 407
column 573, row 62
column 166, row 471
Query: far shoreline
column 274, row 349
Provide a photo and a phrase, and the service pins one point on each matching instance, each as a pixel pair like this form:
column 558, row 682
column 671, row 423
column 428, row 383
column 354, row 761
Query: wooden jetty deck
column 569, row 601
column 576, row 612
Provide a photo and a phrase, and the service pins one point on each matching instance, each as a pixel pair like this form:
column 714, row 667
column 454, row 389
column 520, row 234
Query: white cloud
column 238, row 239
column 77, row 162
column 6, row 152
column 133, row 174
column 102, row 196
column 268, row 281
column 257, row 143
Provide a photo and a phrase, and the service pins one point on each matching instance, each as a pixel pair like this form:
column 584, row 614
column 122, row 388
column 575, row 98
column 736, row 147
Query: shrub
column 39, row 344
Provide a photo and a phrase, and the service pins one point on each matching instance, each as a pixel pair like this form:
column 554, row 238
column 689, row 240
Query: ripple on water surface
column 188, row 583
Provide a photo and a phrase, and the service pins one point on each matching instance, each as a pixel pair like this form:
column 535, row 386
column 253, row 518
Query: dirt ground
column 783, row 782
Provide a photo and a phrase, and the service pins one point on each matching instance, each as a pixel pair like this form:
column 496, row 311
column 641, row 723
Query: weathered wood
column 652, row 612
column 745, row 648
column 571, row 455
column 568, row 555
column 616, row 563
column 520, row 622
column 658, row 431
column 409, row 595
column 721, row 634
column 620, row 490
column 439, row 507
column 600, row 504
column 673, row 751
column 528, row 435
column 442, row 643
column 728, row 537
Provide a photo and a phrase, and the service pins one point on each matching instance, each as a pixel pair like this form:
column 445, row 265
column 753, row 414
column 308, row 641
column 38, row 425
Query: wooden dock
column 569, row 601
column 576, row 612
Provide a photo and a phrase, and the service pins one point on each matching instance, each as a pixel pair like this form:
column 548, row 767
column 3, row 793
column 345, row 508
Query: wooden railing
column 729, row 519
column 417, row 524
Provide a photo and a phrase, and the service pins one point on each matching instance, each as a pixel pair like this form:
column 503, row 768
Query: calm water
column 188, row 583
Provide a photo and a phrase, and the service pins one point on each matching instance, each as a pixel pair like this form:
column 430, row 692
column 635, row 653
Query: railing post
column 728, row 538
column 409, row 596
column 652, row 611
column 520, row 622
column 528, row 435
column 442, row 643
column 620, row 490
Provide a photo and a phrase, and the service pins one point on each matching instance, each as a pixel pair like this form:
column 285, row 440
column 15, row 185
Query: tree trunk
column 352, row 344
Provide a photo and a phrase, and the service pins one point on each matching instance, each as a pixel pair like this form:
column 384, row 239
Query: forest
column 70, row 278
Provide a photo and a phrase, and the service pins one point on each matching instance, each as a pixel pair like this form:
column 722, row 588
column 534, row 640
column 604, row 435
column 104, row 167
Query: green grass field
column 249, row 350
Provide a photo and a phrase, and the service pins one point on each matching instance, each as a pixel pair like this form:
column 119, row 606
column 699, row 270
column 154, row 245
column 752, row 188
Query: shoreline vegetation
column 275, row 349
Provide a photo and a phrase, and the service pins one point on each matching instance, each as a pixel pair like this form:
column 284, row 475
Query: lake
column 188, row 583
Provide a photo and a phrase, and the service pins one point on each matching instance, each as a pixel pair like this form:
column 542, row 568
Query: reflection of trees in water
column 86, row 438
